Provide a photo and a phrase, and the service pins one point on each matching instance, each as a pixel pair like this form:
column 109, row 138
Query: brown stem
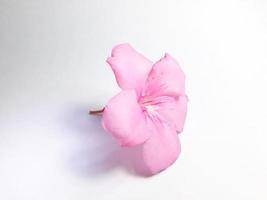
column 96, row 112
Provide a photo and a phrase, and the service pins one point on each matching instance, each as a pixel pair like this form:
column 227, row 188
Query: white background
column 53, row 70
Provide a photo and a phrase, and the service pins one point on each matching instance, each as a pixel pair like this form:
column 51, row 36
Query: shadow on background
column 93, row 152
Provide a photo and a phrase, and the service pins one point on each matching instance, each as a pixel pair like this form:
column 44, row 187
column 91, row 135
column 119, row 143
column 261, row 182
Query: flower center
column 147, row 105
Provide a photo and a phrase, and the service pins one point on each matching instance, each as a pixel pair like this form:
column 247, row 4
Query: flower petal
column 124, row 119
column 161, row 150
column 130, row 67
column 165, row 79
column 172, row 110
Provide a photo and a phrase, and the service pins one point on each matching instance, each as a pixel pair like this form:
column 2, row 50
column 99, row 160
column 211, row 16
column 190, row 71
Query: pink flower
column 151, row 108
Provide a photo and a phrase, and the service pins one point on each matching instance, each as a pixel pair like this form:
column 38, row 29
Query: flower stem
column 96, row 112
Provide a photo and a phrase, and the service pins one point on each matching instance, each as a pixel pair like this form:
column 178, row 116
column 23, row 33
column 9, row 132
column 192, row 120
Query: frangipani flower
column 151, row 108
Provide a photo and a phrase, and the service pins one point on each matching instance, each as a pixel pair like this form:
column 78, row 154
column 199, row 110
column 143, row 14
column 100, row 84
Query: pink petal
column 130, row 67
column 161, row 150
column 124, row 119
column 172, row 110
column 165, row 79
